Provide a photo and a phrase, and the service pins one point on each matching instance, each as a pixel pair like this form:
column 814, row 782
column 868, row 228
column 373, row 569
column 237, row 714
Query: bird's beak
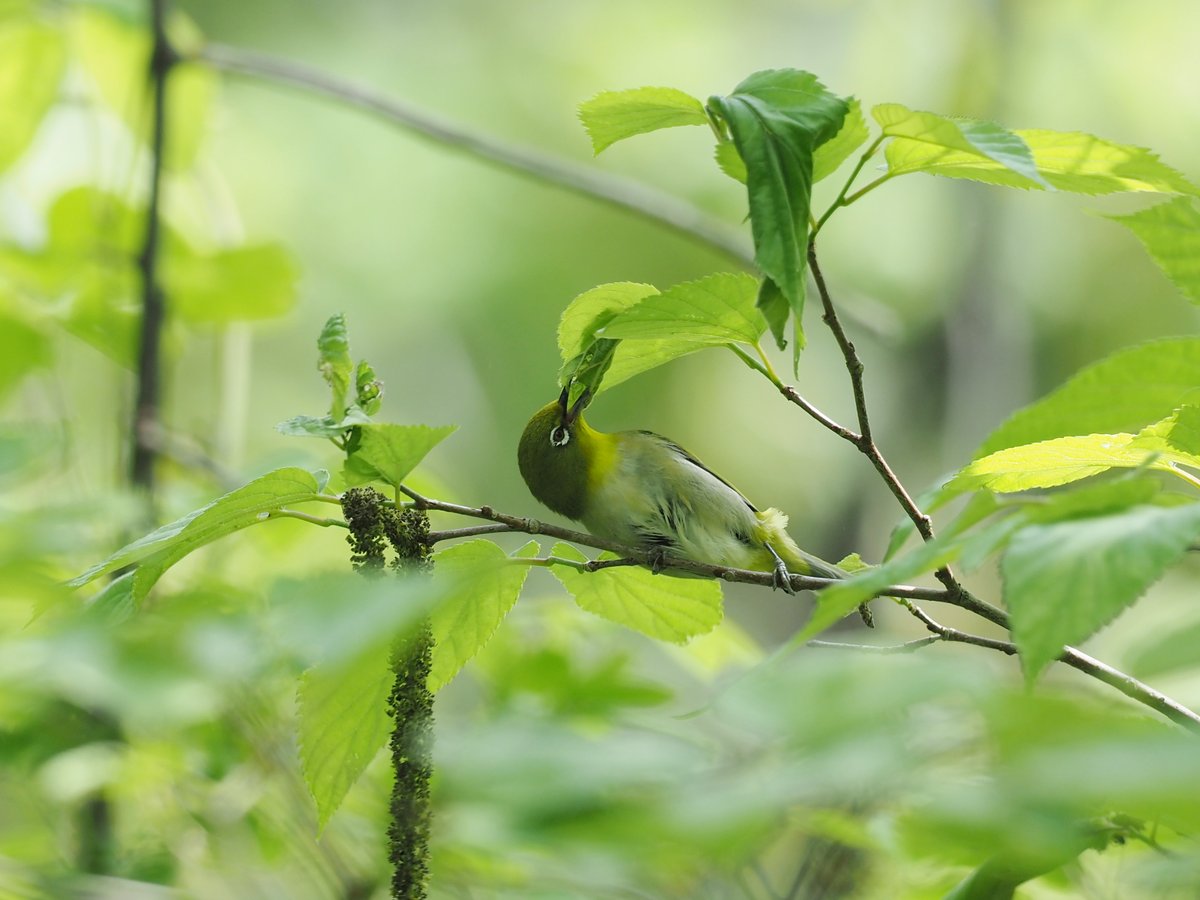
column 570, row 415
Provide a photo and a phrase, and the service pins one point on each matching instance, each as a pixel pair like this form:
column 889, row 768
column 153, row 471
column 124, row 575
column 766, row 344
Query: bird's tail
column 799, row 562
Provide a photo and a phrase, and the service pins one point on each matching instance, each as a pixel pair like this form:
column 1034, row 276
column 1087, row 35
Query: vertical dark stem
column 149, row 367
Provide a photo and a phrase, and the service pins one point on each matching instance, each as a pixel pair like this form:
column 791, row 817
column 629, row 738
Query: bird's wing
column 699, row 465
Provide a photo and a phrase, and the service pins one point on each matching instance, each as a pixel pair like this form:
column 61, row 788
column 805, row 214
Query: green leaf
column 239, row 284
column 777, row 119
column 612, row 116
column 1122, row 393
column 852, row 135
column 24, row 346
column 368, row 390
column 660, row 606
column 389, row 453
column 729, row 161
column 590, row 312
column 839, row 600
column 322, row 426
column 343, row 723
column 586, row 371
column 715, row 310
column 116, row 56
column 1178, row 433
column 1171, row 234
column 486, row 585
column 240, row 508
column 333, row 348
column 921, row 137
column 775, row 310
column 1067, row 161
column 1065, row 581
column 34, row 60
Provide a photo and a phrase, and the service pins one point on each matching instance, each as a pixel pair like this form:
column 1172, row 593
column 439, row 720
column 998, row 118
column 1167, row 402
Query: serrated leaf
column 594, row 309
column 1178, row 433
column 368, row 390
column 1065, row 581
column 388, row 453
column 1171, row 234
column 919, row 137
column 244, row 506
column 484, row 587
column 1067, row 161
column 238, row 284
column 612, row 116
column 116, row 57
column 1051, row 463
column 343, row 723
column 660, row 606
column 777, row 119
column 852, row 135
column 1140, row 384
column 34, row 60
column 715, row 310
column 775, row 310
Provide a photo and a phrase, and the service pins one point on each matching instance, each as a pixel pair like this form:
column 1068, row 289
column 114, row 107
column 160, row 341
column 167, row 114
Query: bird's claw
column 781, row 578
column 658, row 560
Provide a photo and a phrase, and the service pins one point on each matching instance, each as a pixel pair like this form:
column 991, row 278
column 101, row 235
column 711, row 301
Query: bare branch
column 651, row 205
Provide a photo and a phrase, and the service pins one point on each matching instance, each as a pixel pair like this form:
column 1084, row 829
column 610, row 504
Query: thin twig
column 946, row 633
column 906, row 647
column 149, row 365
column 649, row 204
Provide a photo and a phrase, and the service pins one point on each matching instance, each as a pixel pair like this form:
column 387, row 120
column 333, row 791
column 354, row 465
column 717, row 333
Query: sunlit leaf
column 777, row 119
column 919, row 138
column 1067, row 161
column 238, row 509
column 612, row 116
column 388, row 453
column 660, row 606
column 1121, row 393
column 34, row 59
column 852, row 135
column 484, row 587
column 729, row 161
column 1065, row 581
column 718, row 309
column 1171, row 233
column 591, row 311
column 343, row 723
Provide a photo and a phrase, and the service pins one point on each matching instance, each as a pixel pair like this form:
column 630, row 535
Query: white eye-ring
column 560, row 436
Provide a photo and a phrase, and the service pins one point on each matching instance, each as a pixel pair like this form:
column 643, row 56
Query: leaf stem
column 305, row 517
column 841, row 200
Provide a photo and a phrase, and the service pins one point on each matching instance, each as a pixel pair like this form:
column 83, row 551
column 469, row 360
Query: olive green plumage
column 640, row 489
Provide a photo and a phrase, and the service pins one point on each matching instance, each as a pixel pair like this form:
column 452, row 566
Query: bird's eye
column 559, row 436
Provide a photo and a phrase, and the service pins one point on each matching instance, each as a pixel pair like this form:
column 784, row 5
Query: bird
column 640, row 489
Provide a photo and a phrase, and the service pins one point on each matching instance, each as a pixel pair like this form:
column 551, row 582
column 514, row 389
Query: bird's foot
column 781, row 578
column 658, row 560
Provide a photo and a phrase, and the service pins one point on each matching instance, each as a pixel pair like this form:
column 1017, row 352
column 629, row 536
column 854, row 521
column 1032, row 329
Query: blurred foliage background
column 566, row 766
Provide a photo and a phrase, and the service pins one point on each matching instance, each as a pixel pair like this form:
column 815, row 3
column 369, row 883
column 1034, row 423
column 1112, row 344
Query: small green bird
column 640, row 489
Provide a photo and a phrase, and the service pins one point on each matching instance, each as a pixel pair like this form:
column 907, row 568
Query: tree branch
column 149, row 365
column 646, row 203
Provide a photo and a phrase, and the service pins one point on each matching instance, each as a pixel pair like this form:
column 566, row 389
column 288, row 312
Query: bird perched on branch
column 640, row 489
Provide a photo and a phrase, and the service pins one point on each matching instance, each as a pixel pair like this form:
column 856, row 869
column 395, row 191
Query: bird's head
column 555, row 453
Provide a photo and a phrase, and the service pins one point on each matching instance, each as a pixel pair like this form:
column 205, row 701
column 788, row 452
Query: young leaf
column 1171, row 234
column 388, row 453
column 852, row 135
column 918, row 137
column 612, row 116
column 590, row 312
column 777, row 119
column 718, row 309
column 322, row 426
column 660, row 606
column 333, row 347
column 1122, row 393
column 1067, row 161
column 1065, row 581
column 729, row 162
column 162, row 548
column 34, row 61
column 343, row 723
column 485, row 586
